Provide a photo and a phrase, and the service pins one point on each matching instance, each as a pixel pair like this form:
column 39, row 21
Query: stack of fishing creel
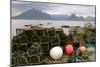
column 31, row 46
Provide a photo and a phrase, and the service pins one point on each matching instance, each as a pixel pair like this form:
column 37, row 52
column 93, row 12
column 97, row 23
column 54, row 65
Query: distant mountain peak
column 39, row 15
column 33, row 14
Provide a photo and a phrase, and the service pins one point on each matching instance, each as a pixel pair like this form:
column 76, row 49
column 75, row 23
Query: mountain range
column 39, row 15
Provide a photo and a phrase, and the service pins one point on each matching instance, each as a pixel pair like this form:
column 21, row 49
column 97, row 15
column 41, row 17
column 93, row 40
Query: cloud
column 52, row 8
column 69, row 9
column 20, row 7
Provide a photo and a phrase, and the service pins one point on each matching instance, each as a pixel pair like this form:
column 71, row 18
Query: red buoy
column 69, row 49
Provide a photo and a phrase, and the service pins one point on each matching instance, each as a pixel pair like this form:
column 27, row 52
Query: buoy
column 82, row 48
column 56, row 52
column 90, row 49
column 69, row 49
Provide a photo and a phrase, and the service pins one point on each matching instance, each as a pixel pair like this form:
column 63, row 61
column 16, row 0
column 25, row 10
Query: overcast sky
column 53, row 9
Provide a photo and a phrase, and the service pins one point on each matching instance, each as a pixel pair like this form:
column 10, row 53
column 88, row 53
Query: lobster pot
column 23, row 46
column 23, row 39
column 45, row 46
column 20, row 53
column 51, row 32
column 55, row 41
column 21, row 60
column 44, row 39
column 14, row 46
column 59, row 31
column 35, row 49
column 28, row 34
column 32, row 51
column 63, row 36
column 46, row 53
column 63, row 39
column 40, row 32
column 19, row 31
column 34, row 60
column 35, row 38
column 16, row 39
column 13, row 61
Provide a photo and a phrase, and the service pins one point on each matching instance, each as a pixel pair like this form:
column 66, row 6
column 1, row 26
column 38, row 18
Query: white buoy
column 56, row 52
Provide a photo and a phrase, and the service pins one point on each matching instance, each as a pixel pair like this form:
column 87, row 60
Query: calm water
column 53, row 23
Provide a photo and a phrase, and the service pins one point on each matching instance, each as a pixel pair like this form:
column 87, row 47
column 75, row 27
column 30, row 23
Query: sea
column 16, row 23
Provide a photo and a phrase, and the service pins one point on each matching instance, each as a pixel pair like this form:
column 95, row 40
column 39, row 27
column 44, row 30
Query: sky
column 19, row 7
